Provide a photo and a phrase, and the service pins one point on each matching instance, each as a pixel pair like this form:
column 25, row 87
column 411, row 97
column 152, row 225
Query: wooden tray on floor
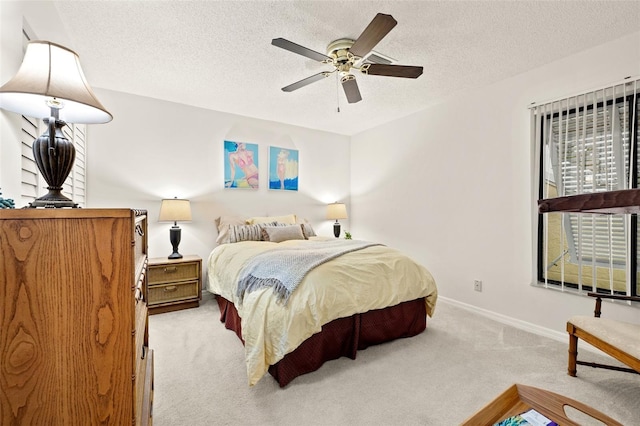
column 520, row 398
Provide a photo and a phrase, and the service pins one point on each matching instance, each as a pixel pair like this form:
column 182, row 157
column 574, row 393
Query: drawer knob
column 170, row 288
column 170, row 269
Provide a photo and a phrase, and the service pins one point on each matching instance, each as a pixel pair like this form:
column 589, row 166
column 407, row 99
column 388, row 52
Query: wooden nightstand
column 174, row 284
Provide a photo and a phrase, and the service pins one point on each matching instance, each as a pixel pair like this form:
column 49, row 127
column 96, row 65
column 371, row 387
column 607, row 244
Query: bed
column 365, row 296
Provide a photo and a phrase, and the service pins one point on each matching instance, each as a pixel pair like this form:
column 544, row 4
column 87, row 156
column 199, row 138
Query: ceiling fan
column 346, row 54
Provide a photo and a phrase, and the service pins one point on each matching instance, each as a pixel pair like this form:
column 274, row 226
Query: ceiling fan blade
column 351, row 90
column 305, row 81
column 300, row 50
column 375, row 31
column 405, row 71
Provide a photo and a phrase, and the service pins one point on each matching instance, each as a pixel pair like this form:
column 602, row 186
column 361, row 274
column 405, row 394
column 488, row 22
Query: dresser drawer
column 173, row 292
column 173, row 272
column 140, row 242
column 144, row 391
column 140, row 339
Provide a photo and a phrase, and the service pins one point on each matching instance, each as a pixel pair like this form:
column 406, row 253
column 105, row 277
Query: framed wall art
column 241, row 165
column 283, row 168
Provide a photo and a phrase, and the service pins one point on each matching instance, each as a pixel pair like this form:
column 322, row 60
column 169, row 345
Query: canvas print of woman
column 283, row 168
column 241, row 165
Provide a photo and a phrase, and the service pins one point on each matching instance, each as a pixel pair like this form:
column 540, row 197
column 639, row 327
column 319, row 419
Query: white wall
column 456, row 180
column 156, row 149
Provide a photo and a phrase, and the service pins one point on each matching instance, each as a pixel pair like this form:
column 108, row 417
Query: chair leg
column 573, row 355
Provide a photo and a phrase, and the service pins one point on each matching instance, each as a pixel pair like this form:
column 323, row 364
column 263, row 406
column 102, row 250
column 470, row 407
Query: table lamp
column 173, row 210
column 336, row 211
column 50, row 85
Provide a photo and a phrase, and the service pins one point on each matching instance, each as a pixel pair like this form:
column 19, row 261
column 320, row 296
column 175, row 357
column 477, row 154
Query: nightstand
column 174, row 284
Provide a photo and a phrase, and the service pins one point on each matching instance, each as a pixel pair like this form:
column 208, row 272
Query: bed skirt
column 340, row 337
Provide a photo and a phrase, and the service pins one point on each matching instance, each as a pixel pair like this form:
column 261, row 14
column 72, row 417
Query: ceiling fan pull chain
column 338, row 92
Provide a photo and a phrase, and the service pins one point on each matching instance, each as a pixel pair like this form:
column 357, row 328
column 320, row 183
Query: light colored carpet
column 440, row 377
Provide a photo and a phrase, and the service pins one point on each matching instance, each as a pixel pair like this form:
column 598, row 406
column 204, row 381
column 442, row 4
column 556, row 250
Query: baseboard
column 522, row 325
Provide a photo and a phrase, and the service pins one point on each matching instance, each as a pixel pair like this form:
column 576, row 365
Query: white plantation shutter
column 79, row 167
column 30, row 175
column 74, row 186
column 590, row 153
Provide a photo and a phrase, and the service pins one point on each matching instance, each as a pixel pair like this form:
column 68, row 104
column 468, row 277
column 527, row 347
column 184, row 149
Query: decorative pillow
column 265, row 234
column 289, row 219
column 307, row 230
column 239, row 233
column 278, row 234
column 224, row 223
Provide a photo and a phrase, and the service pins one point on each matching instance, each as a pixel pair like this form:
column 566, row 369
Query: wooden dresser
column 73, row 318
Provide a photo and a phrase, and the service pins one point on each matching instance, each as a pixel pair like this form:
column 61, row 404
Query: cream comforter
column 372, row 278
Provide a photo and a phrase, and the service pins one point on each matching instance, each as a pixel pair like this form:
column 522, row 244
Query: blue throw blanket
column 284, row 268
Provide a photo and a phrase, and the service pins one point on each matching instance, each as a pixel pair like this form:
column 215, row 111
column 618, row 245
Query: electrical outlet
column 477, row 285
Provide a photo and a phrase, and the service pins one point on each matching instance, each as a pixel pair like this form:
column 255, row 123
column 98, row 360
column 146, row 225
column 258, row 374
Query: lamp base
column 54, row 199
column 54, row 155
column 336, row 229
column 174, row 236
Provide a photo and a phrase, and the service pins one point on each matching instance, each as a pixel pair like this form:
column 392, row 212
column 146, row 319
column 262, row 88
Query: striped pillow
column 307, row 230
column 239, row 233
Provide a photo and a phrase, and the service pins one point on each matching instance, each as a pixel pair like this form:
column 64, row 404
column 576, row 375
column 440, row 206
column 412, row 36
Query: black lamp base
column 54, row 155
column 54, row 199
column 336, row 229
column 174, row 236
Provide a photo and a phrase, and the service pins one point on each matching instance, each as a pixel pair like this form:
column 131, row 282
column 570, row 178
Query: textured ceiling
column 218, row 54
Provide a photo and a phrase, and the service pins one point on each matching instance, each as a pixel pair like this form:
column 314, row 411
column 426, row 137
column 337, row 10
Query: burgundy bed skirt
column 341, row 337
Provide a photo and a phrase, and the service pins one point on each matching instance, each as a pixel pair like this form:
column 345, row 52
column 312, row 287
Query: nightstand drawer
column 174, row 284
column 174, row 272
column 173, row 291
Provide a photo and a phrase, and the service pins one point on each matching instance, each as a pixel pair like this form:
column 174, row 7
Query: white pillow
column 289, row 219
column 278, row 234
column 224, row 223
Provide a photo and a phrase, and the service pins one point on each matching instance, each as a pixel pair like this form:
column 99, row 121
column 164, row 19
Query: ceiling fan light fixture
column 346, row 77
column 341, row 44
column 345, row 54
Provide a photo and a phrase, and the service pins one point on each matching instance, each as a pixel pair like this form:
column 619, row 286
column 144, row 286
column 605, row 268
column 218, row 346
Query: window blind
column 588, row 143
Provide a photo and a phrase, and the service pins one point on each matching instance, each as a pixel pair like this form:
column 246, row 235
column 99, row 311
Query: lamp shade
column 175, row 209
column 336, row 211
column 51, row 76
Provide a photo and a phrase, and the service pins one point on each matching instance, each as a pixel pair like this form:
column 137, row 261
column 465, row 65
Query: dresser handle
column 170, row 288
column 170, row 269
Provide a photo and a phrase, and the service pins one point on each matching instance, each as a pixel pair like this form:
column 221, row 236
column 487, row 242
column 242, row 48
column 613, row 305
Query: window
column 588, row 143
column 32, row 184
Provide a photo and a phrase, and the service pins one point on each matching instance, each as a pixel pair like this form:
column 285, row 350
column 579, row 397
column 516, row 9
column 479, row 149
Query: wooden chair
column 620, row 340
